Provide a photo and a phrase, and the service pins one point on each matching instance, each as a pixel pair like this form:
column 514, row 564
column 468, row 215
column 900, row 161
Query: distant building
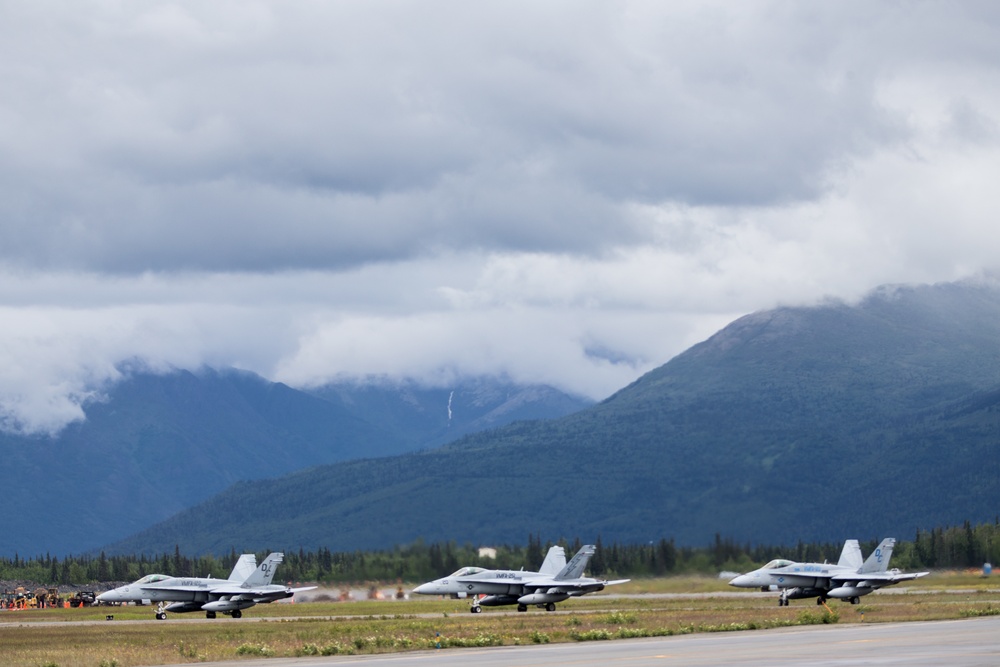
column 488, row 552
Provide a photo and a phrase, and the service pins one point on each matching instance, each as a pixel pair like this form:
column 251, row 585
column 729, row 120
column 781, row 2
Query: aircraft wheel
column 476, row 610
column 819, row 601
column 237, row 613
column 161, row 616
column 855, row 600
column 550, row 606
column 522, row 607
column 209, row 614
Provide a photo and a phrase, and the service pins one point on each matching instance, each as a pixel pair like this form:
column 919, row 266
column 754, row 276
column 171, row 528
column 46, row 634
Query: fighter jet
column 556, row 581
column 848, row 580
column 247, row 585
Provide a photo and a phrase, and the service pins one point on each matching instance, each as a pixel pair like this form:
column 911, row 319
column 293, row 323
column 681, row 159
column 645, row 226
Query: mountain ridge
column 798, row 423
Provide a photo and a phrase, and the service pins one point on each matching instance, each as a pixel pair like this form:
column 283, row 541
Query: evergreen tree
column 597, row 561
column 534, row 557
column 103, row 572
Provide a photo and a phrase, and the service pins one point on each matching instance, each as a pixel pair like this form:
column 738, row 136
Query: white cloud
column 566, row 193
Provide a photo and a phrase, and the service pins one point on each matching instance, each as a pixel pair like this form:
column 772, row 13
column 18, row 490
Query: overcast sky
column 562, row 192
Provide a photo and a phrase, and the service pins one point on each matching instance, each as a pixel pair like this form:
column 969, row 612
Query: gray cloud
column 313, row 125
column 567, row 192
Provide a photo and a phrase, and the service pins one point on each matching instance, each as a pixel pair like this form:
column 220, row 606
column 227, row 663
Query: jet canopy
column 152, row 578
column 776, row 563
column 468, row 570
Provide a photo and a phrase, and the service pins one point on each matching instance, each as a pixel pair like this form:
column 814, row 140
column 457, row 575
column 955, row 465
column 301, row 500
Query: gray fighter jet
column 556, row 581
column 848, row 580
column 247, row 585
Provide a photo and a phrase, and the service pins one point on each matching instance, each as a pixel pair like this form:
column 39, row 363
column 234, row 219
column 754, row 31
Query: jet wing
column 571, row 585
column 276, row 592
column 878, row 578
column 234, row 591
column 272, row 595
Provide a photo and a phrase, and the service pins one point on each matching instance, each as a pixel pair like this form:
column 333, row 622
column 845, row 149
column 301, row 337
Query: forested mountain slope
column 817, row 423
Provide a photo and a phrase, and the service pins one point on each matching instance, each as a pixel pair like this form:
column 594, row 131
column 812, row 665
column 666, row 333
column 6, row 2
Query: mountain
column 820, row 423
column 434, row 416
column 159, row 443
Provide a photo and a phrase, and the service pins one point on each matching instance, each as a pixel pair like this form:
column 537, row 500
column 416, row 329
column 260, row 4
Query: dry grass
column 375, row 627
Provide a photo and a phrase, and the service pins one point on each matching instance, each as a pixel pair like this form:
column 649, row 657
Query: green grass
column 363, row 627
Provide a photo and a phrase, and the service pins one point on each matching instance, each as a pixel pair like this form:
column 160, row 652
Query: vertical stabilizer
column 879, row 559
column 555, row 560
column 851, row 555
column 264, row 573
column 244, row 568
column 575, row 568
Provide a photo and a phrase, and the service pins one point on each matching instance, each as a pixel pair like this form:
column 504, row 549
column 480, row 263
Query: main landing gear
column 549, row 606
column 235, row 613
column 160, row 614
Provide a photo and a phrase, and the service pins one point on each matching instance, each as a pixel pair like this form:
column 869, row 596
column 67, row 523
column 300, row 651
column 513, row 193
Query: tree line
column 965, row 546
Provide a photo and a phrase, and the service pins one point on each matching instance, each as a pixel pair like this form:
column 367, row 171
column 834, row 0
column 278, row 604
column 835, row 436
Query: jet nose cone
column 424, row 589
column 742, row 581
column 114, row 595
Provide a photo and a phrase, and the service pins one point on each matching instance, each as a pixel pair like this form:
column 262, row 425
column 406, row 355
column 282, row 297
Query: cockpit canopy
column 776, row 563
column 152, row 578
column 468, row 570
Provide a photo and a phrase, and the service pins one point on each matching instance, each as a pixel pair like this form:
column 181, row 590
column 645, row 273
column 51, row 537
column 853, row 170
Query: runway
column 964, row 643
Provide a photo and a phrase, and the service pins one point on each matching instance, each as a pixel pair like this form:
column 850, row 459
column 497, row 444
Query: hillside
column 795, row 424
column 427, row 417
column 161, row 443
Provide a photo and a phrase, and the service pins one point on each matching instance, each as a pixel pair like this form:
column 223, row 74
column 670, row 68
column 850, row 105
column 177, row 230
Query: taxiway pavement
column 960, row 643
